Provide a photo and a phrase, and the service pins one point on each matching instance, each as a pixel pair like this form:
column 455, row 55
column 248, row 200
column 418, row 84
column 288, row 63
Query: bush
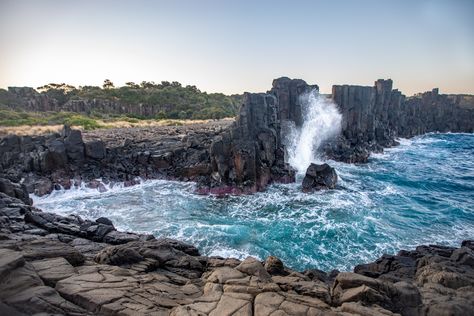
column 85, row 122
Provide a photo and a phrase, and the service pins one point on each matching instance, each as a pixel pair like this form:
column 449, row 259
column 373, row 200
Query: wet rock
column 105, row 221
column 463, row 256
column 117, row 238
column 319, row 177
column 99, row 231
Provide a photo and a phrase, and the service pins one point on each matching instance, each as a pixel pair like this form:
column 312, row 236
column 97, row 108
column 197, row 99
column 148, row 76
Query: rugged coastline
column 71, row 266
column 232, row 157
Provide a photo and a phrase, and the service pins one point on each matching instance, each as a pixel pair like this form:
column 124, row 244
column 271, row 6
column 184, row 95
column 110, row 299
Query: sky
column 236, row 46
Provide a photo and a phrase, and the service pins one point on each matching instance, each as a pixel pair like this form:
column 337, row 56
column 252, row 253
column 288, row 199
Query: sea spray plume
column 321, row 122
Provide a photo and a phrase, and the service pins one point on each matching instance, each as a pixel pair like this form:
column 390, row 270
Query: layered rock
column 71, row 266
column 29, row 99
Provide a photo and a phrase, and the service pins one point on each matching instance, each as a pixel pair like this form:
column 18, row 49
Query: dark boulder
column 319, row 177
column 274, row 266
column 95, row 149
column 74, row 144
column 15, row 190
column 105, row 221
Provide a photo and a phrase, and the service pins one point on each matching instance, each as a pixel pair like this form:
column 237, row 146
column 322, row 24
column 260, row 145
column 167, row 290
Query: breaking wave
column 321, row 122
column 419, row 192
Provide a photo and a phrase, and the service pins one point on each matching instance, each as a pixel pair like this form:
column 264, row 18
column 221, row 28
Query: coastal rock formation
column 71, row 266
column 223, row 156
column 72, row 158
column 251, row 154
column 373, row 117
column 319, row 177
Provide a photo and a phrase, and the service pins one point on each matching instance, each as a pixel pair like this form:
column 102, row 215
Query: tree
column 56, row 86
column 108, row 84
column 132, row 85
column 147, row 84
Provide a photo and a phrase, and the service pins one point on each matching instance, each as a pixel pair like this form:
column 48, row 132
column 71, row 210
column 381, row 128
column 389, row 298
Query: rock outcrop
column 60, row 265
column 373, row 117
column 62, row 160
column 240, row 157
column 251, row 154
column 29, row 99
column 319, row 177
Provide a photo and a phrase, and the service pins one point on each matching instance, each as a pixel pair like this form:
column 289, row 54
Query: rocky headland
column 224, row 157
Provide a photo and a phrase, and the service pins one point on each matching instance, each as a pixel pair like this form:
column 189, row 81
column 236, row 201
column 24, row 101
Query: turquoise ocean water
column 417, row 193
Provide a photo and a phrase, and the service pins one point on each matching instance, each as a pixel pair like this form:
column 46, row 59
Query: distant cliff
column 373, row 117
column 166, row 100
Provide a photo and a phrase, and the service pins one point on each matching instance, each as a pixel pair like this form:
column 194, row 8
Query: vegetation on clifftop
column 169, row 100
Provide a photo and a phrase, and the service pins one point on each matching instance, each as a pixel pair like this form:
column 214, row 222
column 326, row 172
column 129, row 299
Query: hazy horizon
column 232, row 47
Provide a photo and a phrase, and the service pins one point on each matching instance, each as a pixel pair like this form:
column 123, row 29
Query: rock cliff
column 242, row 157
column 373, row 117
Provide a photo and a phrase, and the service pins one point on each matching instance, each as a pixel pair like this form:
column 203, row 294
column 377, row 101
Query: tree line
column 178, row 101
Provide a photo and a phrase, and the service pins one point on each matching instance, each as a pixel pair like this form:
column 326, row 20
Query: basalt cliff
column 223, row 157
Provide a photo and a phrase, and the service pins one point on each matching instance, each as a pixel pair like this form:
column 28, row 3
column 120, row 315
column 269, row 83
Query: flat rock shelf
column 70, row 266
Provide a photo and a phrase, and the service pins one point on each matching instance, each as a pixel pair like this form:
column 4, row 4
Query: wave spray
column 321, row 122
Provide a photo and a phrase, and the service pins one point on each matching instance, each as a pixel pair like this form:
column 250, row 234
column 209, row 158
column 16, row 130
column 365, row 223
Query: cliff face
column 247, row 155
column 30, row 100
column 374, row 116
column 251, row 154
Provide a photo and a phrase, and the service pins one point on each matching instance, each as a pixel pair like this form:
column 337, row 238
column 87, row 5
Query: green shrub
column 86, row 122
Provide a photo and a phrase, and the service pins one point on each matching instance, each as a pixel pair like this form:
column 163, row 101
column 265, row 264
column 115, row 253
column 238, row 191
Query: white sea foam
column 380, row 208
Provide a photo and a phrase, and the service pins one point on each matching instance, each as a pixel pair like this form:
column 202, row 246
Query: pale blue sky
column 236, row 46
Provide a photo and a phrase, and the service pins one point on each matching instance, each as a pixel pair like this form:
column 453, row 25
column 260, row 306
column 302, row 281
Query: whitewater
column 420, row 192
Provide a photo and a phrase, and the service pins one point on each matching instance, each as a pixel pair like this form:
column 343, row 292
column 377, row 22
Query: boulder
column 275, row 266
column 319, row 177
column 74, row 144
column 15, row 190
column 252, row 266
column 95, row 149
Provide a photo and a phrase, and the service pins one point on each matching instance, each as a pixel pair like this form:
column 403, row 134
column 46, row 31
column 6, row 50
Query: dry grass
column 23, row 130
column 151, row 123
column 48, row 129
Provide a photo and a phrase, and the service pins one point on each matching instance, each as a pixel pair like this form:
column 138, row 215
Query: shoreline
column 64, row 256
